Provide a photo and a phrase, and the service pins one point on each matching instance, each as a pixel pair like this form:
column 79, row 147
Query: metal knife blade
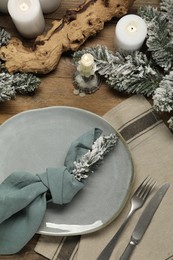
column 144, row 221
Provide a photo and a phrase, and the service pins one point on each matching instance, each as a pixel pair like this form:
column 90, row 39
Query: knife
column 144, row 221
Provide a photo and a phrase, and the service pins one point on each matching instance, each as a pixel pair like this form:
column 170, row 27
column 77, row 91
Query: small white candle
column 87, row 65
column 3, row 6
column 49, row 6
column 130, row 32
column 27, row 17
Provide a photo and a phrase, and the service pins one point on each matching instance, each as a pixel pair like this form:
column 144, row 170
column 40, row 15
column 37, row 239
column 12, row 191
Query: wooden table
column 56, row 88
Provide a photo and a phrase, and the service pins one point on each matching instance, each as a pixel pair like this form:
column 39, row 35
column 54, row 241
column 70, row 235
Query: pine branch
column 128, row 72
column 25, row 83
column 11, row 84
column 148, row 13
column 133, row 74
column 102, row 146
column 163, row 96
column 166, row 8
column 4, row 37
column 159, row 41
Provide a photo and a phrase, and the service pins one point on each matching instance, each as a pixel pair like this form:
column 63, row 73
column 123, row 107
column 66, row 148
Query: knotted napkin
column 24, row 196
column 151, row 145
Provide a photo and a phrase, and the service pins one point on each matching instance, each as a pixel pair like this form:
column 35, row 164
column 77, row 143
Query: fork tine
column 141, row 186
column 148, row 189
column 145, row 188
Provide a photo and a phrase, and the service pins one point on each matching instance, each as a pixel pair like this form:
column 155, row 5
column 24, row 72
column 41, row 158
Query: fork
column 137, row 201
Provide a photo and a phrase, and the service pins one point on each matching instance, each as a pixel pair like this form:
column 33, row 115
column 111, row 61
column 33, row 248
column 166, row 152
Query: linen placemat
column 151, row 146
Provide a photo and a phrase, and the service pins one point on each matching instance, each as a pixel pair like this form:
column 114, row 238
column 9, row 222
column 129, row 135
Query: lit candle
column 86, row 80
column 130, row 32
column 49, row 6
column 3, row 6
column 27, row 17
column 87, row 65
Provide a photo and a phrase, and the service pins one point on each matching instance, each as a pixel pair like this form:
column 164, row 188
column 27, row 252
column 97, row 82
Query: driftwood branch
column 69, row 33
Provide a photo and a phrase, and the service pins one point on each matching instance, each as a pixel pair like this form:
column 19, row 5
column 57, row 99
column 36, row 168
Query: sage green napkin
column 24, row 196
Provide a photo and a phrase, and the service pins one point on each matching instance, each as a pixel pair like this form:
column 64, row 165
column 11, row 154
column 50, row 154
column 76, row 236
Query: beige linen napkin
column 151, row 146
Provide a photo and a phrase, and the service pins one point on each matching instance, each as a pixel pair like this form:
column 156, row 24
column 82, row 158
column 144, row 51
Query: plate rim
column 117, row 213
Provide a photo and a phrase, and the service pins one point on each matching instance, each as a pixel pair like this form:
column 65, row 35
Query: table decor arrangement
column 44, row 56
column 67, row 34
column 24, row 195
column 147, row 72
column 45, row 191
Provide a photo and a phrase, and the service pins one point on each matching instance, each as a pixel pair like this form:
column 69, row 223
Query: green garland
column 148, row 72
column 160, row 33
column 130, row 73
column 11, row 84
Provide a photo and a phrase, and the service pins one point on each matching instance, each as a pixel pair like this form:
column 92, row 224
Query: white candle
column 49, row 6
column 3, row 6
column 130, row 32
column 27, row 17
column 87, row 65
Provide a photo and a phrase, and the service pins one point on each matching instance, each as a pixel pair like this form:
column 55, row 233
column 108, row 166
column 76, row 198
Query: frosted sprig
column 166, row 8
column 102, row 146
column 160, row 43
column 7, row 90
column 25, row 82
column 134, row 74
column 4, row 37
column 11, row 84
column 159, row 33
column 148, row 13
column 163, row 96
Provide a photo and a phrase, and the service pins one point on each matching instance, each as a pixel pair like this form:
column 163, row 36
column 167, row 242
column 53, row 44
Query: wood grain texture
column 56, row 88
column 66, row 34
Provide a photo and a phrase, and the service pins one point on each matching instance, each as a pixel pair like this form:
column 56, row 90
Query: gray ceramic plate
column 40, row 138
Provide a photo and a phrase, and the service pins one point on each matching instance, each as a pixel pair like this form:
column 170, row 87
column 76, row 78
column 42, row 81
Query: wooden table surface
column 56, row 88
